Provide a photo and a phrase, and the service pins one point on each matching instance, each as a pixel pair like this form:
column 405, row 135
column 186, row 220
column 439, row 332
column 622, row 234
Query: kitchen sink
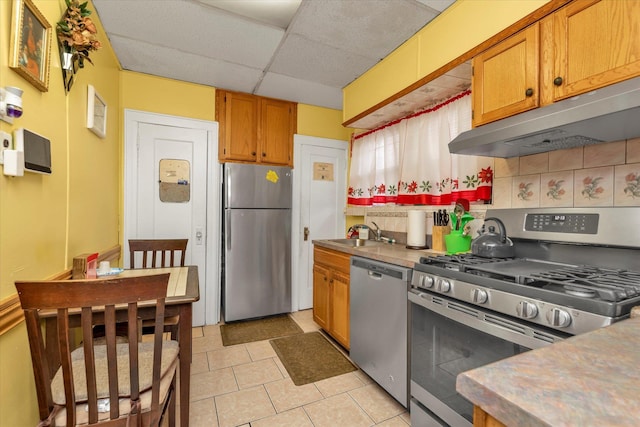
column 356, row 242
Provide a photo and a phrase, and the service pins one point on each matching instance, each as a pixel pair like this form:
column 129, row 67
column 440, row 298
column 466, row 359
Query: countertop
column 393, row 253
column 591, row 379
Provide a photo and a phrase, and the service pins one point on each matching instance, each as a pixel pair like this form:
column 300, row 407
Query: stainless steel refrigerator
column 256, row 233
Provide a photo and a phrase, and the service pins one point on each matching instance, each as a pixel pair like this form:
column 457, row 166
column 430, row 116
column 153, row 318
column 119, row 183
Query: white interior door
column 320, row 197
column 166, row 198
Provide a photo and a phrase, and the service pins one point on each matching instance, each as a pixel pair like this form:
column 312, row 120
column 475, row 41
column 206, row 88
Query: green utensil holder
column 456, row 242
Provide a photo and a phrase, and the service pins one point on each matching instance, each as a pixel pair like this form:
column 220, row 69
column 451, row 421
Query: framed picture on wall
column 96, row 113
column 30, row 44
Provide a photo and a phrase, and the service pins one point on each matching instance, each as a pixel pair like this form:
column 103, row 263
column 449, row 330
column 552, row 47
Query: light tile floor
column 247, row 385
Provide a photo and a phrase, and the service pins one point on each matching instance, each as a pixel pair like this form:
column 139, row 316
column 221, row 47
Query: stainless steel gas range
column 574, row 270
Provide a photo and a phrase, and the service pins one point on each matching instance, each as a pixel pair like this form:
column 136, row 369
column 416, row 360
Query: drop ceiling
column 299, row 50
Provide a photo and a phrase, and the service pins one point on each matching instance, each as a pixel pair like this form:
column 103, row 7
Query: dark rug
column 310, row 357
column 257, row 330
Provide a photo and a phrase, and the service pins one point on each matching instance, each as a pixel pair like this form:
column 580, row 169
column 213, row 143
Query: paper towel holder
column 409, row 242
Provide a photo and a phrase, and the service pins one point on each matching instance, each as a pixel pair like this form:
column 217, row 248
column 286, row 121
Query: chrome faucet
column 377, row 231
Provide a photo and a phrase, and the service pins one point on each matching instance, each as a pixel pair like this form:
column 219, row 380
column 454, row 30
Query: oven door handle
column 489, row 323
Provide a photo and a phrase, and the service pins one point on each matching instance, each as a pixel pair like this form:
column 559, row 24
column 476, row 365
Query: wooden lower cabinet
column 331, row 293
column 482, row 419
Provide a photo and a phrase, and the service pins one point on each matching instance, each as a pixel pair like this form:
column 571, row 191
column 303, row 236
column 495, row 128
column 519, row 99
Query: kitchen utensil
column 491, row 244
column 458, row 211
column 466, row 217
column 445, row 217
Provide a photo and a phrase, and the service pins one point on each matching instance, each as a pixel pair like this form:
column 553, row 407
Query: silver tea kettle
column 491, row 244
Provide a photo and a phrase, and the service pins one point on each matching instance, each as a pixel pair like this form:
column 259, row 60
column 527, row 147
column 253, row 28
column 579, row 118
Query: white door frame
column 296, row 230
column 132, row 118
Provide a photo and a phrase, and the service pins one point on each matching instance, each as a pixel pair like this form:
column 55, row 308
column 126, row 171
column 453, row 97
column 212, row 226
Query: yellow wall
column 461, row 27
column 321, row 122
column 159, row 95
column 46, row 220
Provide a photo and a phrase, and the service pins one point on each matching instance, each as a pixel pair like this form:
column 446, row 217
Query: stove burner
column 580, row 281
column 579, row 292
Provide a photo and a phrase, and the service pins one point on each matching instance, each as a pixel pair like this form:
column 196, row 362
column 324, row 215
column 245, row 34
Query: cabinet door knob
column 557, row 81
column 264, row 154
column 529, row 92
column 253, row 153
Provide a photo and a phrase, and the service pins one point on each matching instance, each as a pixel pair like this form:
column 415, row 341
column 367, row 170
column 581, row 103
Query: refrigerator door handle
column 227, row 180
column 228, row 227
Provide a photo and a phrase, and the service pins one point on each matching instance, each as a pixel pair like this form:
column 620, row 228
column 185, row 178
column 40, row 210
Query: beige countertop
column 591, row 379
column 393, row 253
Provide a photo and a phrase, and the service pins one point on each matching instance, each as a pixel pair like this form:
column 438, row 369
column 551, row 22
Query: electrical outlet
column 6, row 143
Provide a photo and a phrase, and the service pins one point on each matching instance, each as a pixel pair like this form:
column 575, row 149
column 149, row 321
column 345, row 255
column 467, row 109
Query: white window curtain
column 419, row 170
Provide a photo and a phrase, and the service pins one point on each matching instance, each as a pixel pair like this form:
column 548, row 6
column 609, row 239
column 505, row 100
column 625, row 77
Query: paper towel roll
column 416, row 228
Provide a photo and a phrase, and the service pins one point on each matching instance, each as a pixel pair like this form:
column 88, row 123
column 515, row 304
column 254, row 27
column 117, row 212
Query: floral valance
column 408, row 162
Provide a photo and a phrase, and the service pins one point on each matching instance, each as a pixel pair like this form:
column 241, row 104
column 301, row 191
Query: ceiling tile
column 274, row 12
column 191, row 27
column 238, row 45
column 303, row 91
column 310, row 60
column 438, row 5
column 161, row 61
column 370, row 28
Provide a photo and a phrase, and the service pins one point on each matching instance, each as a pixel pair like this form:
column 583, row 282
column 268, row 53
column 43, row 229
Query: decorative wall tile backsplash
column 556, row 189
column 627, row 185
column 633, row 150
column 502, row 191
column 564, row 160
column 526, row 192
column 609, row 154
column 536, row 163
column 593, row 187
column 506, row 167
column 566, row 181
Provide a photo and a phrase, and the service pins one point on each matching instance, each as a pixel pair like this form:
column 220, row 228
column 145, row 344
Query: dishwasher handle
column 377, row 270
column 374, row 275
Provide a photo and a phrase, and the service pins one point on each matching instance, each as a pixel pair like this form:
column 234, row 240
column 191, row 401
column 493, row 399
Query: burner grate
column 607, row 284
column 459, row 262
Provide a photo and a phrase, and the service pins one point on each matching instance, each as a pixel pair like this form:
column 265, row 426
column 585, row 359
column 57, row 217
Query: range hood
column 608, row 114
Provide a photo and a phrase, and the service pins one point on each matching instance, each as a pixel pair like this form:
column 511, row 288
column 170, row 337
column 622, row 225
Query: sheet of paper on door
column 322, row 171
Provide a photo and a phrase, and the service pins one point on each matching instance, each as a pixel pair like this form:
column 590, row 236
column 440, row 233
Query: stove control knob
column 479, row 296
column 527, row 310
column 443, row 285
column 558, row 318
column 426, row 281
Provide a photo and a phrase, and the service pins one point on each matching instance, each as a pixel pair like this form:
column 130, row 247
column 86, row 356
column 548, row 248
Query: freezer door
column 257, row 263
column 255, row 186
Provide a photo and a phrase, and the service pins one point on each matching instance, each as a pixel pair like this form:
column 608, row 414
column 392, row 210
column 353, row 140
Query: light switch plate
column 6, row 143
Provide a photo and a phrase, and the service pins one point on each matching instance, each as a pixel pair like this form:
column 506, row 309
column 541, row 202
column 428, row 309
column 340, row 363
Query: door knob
column 306, row 234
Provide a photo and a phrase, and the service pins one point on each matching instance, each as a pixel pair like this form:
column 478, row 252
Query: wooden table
column 182, row 291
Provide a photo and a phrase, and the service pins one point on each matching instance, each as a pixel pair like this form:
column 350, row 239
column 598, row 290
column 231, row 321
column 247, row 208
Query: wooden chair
column 154, row 247
column 110, row 384
column 154, row 255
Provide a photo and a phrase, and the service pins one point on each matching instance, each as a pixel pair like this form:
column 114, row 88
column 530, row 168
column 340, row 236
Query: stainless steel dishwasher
column 379, row 323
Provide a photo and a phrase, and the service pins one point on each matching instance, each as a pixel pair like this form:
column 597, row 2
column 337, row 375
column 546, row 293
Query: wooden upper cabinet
column 597, row 43
column 583, row 46
column 505, row 77
column 278, row 125
column 238, row 116
column 255, row 129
